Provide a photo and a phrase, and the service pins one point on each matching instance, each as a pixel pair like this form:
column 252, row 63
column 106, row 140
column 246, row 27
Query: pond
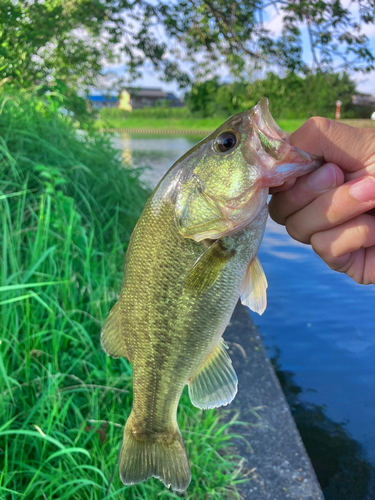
column 319, row 324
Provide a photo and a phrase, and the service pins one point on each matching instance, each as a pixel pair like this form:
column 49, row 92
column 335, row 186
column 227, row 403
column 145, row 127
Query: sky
column 365, row 82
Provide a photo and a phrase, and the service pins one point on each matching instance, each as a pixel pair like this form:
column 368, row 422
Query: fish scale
column 186, row 324
column 192, row 254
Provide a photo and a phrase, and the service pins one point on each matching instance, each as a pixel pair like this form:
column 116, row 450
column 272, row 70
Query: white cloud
column 366, row 83
column 274, row 21
column 369, row 30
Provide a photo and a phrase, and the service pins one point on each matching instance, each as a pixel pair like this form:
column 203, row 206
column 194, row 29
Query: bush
column 290, row 97
column 44, row 148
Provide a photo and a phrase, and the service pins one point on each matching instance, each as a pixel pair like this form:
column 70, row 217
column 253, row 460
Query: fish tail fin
column 163, row 457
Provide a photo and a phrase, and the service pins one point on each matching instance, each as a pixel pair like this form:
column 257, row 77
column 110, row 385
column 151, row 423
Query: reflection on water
column 322, row 324
column 156, row 154
column 126, row 149
column 338, row 460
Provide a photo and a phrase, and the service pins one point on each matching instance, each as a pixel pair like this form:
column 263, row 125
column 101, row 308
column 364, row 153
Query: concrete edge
column 277, row 461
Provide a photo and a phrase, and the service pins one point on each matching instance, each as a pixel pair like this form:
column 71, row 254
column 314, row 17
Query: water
column 157, row 152
column 323, row 323
column 320, row 323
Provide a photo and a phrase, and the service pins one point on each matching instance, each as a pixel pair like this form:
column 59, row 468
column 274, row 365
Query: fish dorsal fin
column 208, row 268
column 215, row 383
column 254, row 288
column 112, row 338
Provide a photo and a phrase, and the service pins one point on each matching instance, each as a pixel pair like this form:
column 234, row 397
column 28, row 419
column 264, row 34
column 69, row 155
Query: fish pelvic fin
column 163, row 456
column 215, row 383
column 254, row 288
column 112, row 337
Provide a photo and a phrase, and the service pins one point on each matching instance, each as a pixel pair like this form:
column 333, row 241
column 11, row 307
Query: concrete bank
column 278, row 463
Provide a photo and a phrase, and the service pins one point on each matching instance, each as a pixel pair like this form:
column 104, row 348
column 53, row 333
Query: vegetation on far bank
column 138, row 120
column 67, row 207
column 290, row 97
column 292, row 101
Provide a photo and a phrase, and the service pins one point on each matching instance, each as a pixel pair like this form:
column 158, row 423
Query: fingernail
column 363, row 190
column 322, row 179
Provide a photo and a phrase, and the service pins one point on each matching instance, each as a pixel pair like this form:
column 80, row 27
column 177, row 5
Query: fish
column 191, row 256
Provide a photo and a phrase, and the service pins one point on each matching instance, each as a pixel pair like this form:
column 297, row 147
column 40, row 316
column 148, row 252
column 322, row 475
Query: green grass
column 175, row 119
column 169, row 119
column 205, row 124
column 67, row 209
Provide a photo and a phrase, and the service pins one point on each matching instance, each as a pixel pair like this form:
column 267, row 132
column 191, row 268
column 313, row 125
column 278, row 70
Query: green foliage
column 42, row 42
column 296, row 97
column 67, row 208
column 234, row 34
column 210, row 98
column 35, row 133
column 290, row 97
column 37, row 40
column 202, row 97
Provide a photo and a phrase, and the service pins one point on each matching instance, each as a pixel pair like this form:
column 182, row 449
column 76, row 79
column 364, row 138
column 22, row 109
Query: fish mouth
column 279, row 160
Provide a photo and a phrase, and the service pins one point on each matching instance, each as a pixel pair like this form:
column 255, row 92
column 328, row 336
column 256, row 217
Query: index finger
column 349, row 147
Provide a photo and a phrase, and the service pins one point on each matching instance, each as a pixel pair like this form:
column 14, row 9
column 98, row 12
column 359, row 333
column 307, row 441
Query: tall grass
column 67, row 209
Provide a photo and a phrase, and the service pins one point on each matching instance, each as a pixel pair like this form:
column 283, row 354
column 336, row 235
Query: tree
column 72, row 40
column 291, row 97
column 233, row 33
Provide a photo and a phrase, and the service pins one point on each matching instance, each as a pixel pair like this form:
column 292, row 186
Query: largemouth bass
column 192, row 254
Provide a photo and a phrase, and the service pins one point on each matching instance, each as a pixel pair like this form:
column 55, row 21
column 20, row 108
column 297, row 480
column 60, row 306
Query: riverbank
column 198, row 126
column 194, row 126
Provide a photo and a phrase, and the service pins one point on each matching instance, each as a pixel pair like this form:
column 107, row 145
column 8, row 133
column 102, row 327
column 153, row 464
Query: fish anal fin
column 254, row 294
column 112, row 337
column 215, row 384
column 208, row 267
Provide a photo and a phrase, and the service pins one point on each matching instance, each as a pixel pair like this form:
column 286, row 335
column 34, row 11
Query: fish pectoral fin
column 254, row 287
column 111, row 337
column 215, row 384
column 208, row 267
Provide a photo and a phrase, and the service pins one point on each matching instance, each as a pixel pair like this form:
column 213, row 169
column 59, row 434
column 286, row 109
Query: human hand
column 331, row 208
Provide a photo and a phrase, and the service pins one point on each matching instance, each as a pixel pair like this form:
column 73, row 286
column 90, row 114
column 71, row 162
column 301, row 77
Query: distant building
column 141, row 97
column 103, row 101
column 145, row 97
column 363, row 100
column 135, row 98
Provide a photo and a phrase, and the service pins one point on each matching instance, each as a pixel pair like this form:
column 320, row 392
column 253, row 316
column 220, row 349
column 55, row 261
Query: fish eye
column 225, row 142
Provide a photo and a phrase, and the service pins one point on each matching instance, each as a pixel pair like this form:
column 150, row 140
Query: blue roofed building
column 103, row 101
column 136, row 98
